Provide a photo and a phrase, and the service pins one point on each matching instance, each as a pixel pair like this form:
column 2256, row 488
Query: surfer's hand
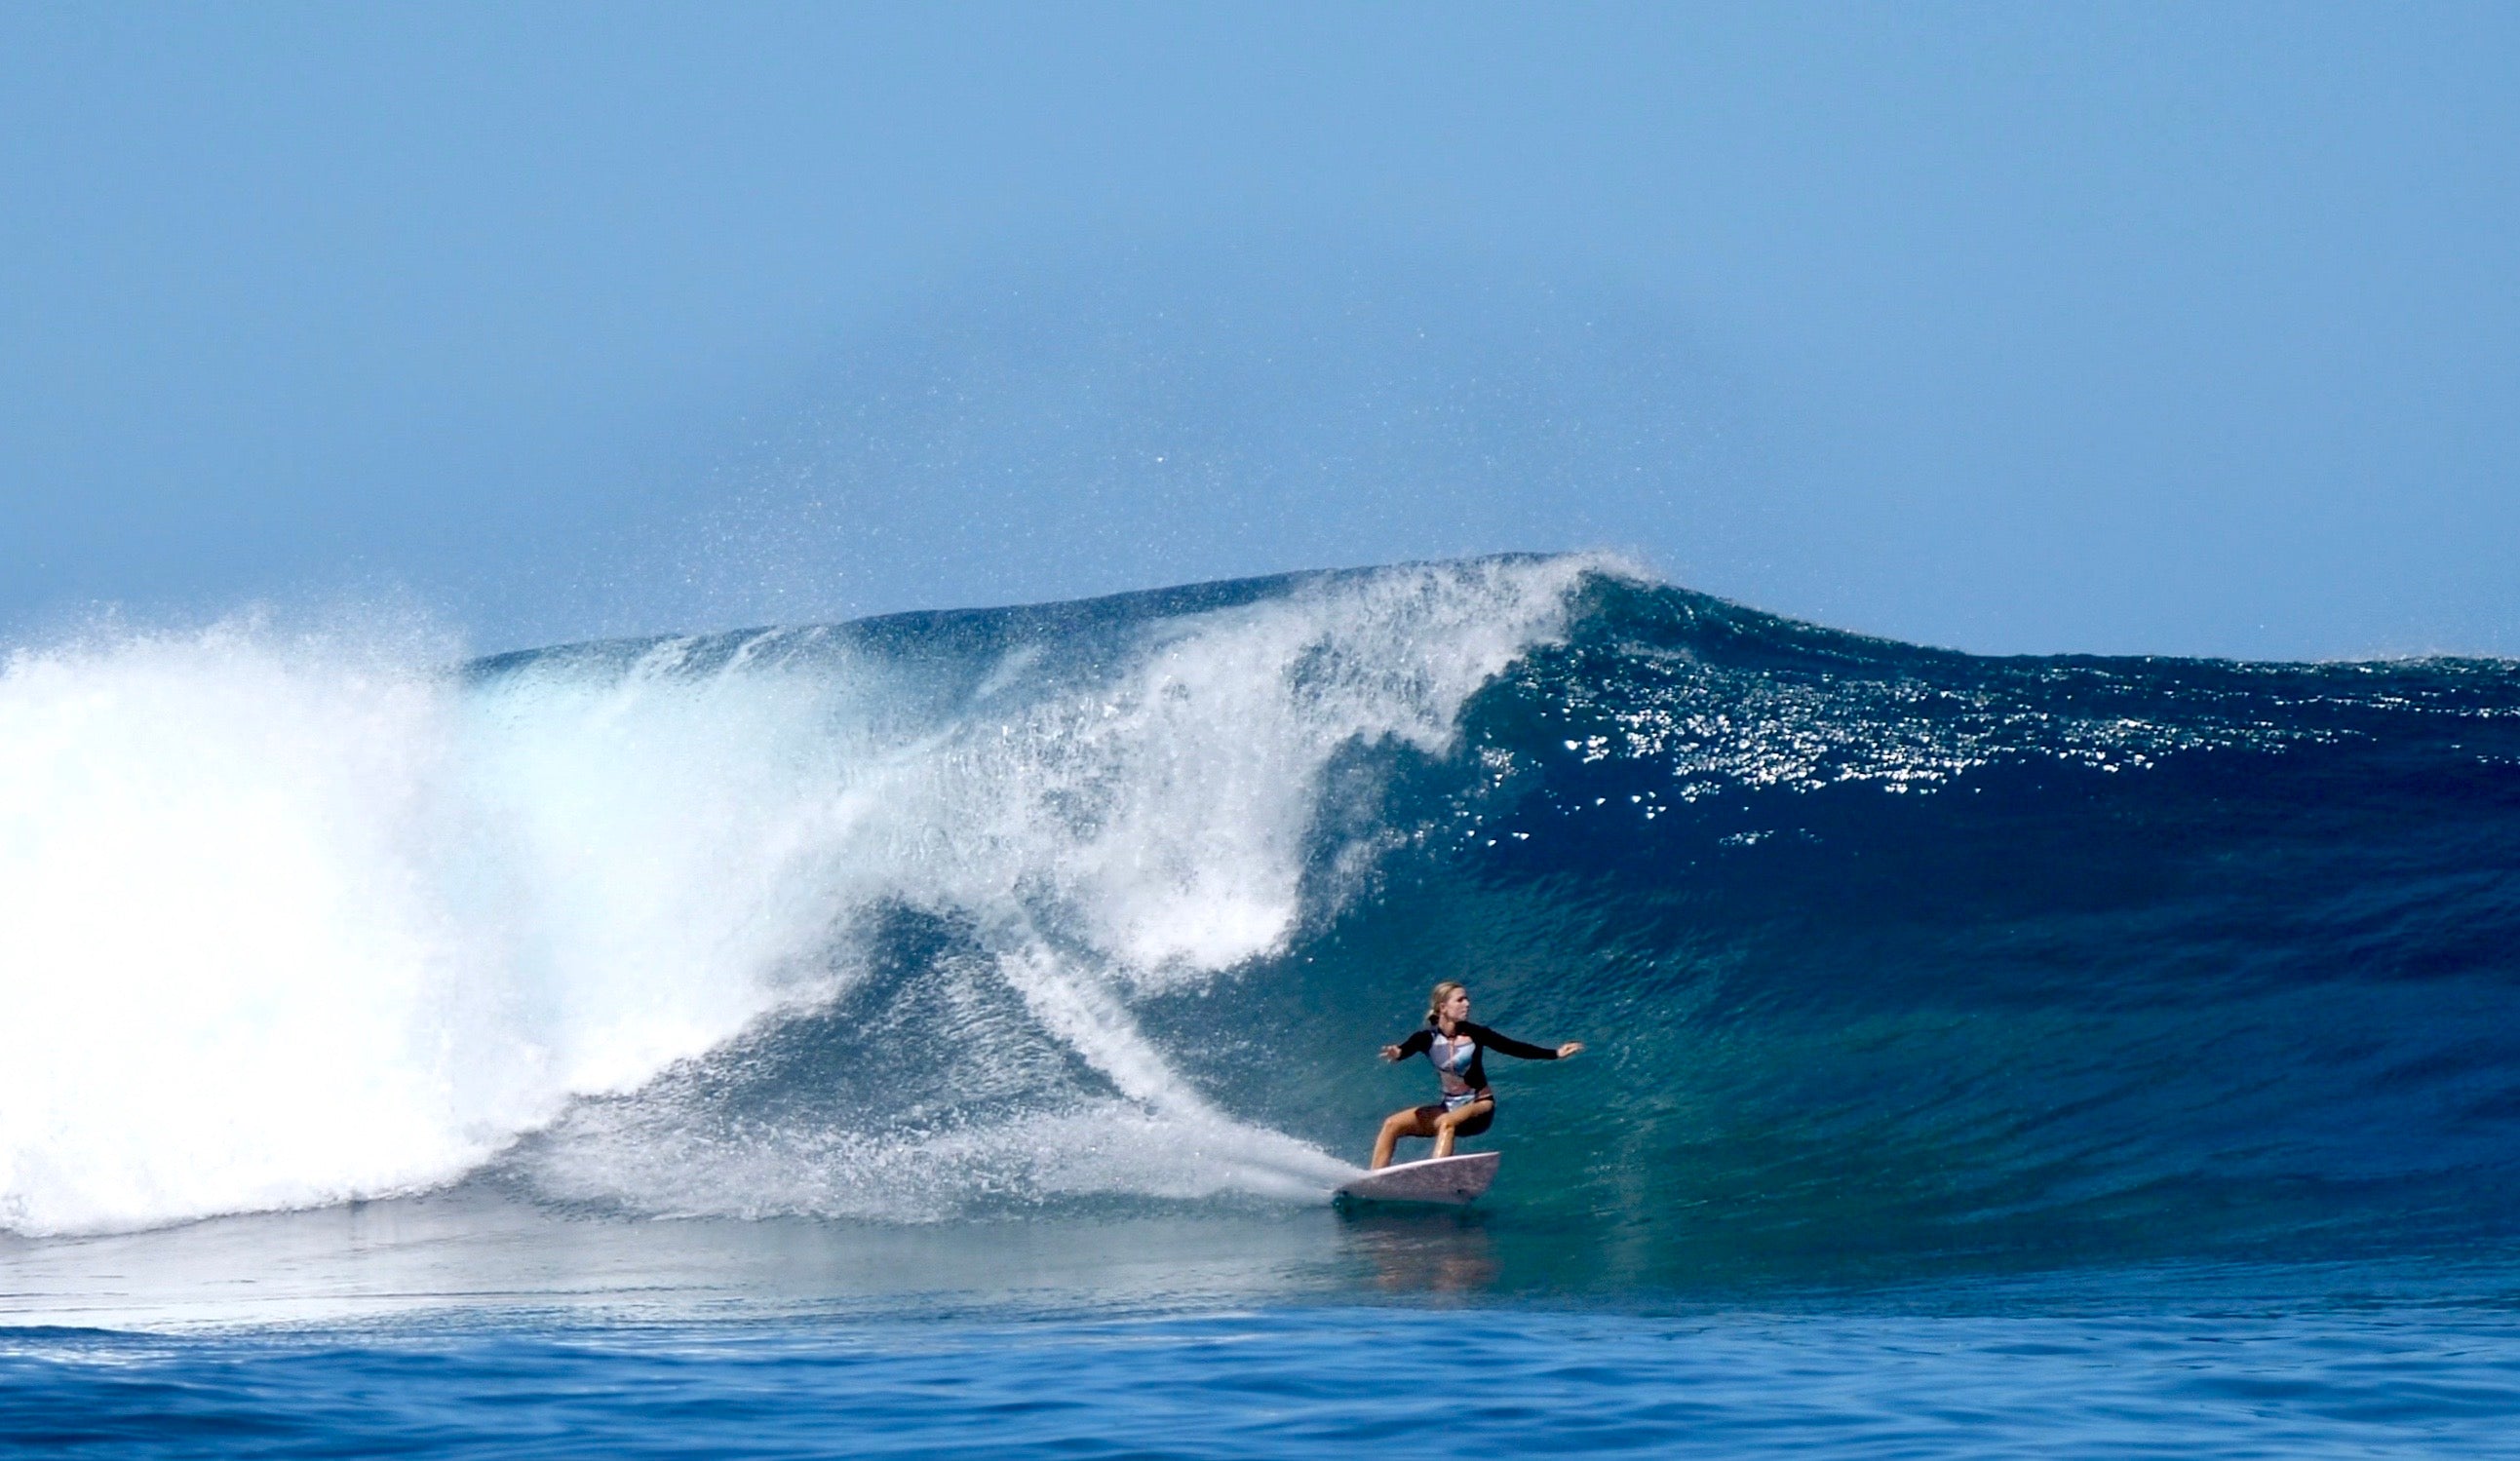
column 1570, row 1048
column 1391, row 1052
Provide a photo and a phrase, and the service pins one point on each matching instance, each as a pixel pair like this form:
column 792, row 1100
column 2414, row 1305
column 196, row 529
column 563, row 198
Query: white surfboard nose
column 1437, row 1179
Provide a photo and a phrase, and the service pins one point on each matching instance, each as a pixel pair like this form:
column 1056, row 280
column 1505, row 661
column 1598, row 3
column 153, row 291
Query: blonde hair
column 1436, row 998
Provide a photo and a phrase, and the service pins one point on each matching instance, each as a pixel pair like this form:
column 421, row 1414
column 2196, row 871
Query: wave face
column 1880, row 951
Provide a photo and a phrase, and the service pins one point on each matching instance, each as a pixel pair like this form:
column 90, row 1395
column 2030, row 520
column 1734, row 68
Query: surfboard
column 1447, row 1179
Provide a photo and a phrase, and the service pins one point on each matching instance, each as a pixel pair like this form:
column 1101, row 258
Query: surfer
column 1456, row 1047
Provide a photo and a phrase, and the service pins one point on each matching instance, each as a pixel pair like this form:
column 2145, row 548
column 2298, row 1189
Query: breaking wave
column 1879, row 948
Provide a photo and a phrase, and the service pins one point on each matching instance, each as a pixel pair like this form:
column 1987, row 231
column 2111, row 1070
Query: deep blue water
column 1475, row 1381
column 939, row 1033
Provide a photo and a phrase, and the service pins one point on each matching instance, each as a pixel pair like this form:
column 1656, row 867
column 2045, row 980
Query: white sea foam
column 294, row 921
column 230, row 978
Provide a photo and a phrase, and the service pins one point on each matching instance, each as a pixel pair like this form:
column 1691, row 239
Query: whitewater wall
column 295, row 921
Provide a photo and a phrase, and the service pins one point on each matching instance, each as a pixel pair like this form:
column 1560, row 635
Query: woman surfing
column 1457, row 1047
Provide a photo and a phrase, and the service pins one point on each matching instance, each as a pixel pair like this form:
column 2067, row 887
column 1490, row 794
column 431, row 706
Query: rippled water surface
column 1295, row 1382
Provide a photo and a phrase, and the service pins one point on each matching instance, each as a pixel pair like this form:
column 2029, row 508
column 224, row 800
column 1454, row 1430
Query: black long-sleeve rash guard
column 1466, row 1071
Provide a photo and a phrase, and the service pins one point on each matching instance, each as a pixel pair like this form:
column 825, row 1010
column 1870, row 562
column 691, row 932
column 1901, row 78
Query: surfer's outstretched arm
column 1519, row 1050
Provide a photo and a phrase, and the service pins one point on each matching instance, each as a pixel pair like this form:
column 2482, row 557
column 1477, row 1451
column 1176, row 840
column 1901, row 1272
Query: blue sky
column 2189, row 330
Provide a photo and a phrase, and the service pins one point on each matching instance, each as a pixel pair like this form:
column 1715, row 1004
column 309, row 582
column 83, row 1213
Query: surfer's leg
column 1416, row 1121
column 1473, row 1115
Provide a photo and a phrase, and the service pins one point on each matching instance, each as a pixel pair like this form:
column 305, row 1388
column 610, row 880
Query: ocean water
column 940, row 1034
